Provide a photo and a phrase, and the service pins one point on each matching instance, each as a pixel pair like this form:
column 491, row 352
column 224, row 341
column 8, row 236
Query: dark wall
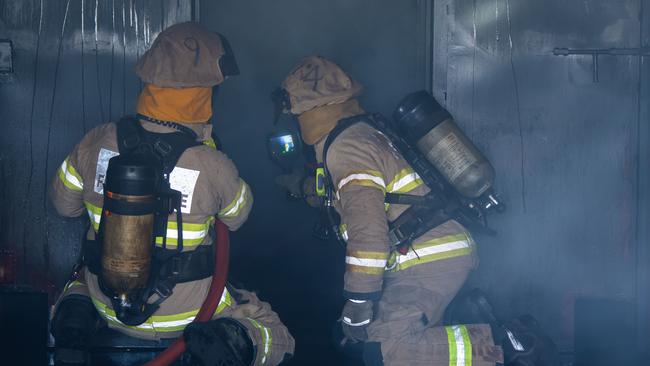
column 73, row 69
column 381, row 43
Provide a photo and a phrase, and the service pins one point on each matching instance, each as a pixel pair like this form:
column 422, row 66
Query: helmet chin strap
column 281, row 103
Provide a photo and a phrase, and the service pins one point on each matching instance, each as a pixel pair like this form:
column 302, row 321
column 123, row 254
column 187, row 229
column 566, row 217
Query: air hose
column 222, row 252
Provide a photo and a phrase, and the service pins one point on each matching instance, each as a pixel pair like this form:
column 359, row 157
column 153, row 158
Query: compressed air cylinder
column 127, row 225
column 426, row 124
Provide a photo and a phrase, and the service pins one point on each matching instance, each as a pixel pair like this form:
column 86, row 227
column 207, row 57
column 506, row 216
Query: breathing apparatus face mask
column 284, row 143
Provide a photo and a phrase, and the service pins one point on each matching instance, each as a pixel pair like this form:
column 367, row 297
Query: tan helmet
column 187, row 55
column 316, row 82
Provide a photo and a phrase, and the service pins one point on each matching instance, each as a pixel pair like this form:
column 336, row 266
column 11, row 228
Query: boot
column 75, row 320
column 219, row 342
column 524, row 343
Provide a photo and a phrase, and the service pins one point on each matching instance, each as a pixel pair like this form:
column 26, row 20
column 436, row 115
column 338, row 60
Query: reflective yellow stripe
column 69, row 176
column 366, row 254
column 366, row 262
column 210, row 142
column 367, row 178
column 460, row 346
column 404, row 181
column 193, row 234
column 160, row 323
column 267, row 338
column 94, row 213
column 451, row 342
column 72, row 284
column 372, row 263
column 343, row 229
column 365, row 270
column 433, row 250
column 235, row 207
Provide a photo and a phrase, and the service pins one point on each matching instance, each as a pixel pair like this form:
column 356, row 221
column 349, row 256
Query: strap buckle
column 397, row 237
column 163, row 290
column 175, row 264
column 162, row 147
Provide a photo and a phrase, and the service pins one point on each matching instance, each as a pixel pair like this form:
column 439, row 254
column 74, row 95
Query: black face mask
column 227, row 62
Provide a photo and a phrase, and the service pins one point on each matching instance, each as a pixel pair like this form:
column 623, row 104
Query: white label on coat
column 184, row 180
column 102, row 165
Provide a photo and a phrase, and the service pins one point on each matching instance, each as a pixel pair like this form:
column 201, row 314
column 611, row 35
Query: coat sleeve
column 357, row 175
column 66, row 187
column 233, row 195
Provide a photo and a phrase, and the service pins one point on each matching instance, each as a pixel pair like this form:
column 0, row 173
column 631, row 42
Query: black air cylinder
column 127, row 226
column 426, row 124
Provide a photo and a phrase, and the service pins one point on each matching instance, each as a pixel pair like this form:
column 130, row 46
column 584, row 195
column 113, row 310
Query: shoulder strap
column 168, row 147
column 341, row 126
column 129, row 134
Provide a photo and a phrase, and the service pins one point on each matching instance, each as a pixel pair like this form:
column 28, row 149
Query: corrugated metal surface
column 643, row 204
column 73, row 70
column 565, row 148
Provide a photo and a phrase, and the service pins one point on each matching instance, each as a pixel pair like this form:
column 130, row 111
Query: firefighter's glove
column 222, row 341
column 356, row 316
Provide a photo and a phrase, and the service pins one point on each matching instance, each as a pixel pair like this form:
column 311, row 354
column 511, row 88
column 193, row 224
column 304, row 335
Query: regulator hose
column 221, row 253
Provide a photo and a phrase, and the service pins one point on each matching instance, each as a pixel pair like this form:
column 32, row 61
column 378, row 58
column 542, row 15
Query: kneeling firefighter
column 152, row 186
column 407, row 254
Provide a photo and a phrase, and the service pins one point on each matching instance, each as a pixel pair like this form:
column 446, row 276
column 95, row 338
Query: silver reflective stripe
column 378, row 263
column 404, row 181
column 266, row 337
column 241, row 199
column 460, row 346
column 514, row 341
column 348, row 321
column 362, row 176
column 436, row 249
column 187, row 234
column 69, row 177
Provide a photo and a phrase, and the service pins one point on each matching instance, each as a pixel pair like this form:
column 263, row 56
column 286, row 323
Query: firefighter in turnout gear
column 179, row 73
column 395, row 300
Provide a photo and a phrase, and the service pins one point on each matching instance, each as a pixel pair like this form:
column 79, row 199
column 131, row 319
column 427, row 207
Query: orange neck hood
column 184, row 105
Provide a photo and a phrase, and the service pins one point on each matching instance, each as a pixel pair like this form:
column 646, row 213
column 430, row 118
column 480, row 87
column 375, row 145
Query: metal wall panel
column 564, row 147
column 643, row 203
column 73, row 69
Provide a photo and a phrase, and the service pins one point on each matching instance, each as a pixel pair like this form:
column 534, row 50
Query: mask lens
column 283, row 144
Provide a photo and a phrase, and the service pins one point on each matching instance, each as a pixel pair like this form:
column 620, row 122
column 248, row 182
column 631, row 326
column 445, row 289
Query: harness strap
column 425, row 213
column 180, row 268
column 169, row 267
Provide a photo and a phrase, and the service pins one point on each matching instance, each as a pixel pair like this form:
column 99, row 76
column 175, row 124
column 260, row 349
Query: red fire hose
column 211, row 302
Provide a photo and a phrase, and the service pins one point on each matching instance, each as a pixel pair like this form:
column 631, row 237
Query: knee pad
column 222, row 341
